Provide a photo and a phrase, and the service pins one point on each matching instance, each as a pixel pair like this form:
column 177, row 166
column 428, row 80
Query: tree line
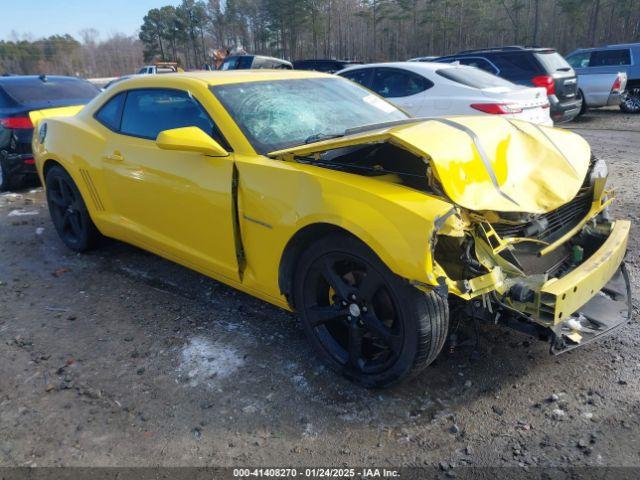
column 64, row 55
column 365, row 30
column 381, row 30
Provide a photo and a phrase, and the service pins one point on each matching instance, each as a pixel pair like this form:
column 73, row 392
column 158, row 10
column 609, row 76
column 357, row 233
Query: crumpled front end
column 561, row 271
column 528, row 240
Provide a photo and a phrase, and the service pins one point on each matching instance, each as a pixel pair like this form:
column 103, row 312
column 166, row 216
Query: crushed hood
column 485, row 162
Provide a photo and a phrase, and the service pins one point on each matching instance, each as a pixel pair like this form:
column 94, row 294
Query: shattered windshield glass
column 283, row 113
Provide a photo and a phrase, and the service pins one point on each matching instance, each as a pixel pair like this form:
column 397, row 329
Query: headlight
column 599, row 170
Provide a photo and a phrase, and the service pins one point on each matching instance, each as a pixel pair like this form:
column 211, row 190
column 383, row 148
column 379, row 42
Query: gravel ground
column 119, row 358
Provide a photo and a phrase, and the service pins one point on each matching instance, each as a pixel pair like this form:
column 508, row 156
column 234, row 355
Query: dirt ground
column 120, row 358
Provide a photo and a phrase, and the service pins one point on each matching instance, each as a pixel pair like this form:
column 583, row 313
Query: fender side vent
column 92, row 190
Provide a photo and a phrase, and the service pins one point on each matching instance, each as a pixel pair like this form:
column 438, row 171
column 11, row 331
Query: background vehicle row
column 432, row 89
column 537, row 67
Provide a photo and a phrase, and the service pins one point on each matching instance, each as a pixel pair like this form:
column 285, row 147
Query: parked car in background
column 436, row 89
column 245, row 62
column 20, row 95
column 610, row 60
column 422, row 59
column 160, row 67
column 537, row 67
column 323, row 65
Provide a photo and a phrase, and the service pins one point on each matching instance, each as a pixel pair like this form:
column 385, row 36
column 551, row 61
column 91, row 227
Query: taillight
column 16, row 123
column 496, row 108
column 545, row 81
column 617, row 85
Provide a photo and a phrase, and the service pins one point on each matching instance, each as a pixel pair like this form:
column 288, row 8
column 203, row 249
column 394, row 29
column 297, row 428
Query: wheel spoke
column 336, row 281
column 355, row 346
column 375, row 326
column 75, row 223
column 56, row 197
column 369, row 285
column 319, row 315
column 67, row 194
column 63, row 191
column 66, row 220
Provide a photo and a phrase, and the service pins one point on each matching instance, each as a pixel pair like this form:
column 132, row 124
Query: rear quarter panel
column 76, row 146
column 595, row 87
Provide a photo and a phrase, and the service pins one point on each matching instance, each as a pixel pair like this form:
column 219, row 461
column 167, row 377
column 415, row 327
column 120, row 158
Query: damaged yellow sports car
column 314, row 194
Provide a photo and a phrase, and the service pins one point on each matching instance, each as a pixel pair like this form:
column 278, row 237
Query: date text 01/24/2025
column 315, row 473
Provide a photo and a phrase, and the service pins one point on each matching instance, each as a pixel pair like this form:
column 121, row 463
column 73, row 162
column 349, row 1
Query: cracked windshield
column 280, row 114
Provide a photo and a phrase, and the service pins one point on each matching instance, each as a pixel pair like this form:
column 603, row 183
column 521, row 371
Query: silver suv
column 611, row 59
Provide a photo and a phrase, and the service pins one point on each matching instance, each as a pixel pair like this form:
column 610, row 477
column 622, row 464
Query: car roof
column 225, row 77
column 31, row 78
column 502, row 50
column 412, row 66
column 606, row 47
column 323, row 60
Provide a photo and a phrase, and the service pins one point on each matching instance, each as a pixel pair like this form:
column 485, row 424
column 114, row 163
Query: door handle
column 114, row 157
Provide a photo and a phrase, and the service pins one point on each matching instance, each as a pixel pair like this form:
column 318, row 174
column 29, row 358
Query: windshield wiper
column 322, row 136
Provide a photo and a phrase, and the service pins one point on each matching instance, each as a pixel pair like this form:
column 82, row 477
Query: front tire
column 69, row 212
column 364, row 321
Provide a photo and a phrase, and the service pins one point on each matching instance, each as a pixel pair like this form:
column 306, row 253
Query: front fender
column 278, row 199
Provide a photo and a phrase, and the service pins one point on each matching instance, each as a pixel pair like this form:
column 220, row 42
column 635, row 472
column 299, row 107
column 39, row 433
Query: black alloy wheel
column 363, row 320
column 631, row 101
column 69, row 212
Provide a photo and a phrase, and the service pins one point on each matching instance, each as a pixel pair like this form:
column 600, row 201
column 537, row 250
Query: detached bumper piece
column 608, row 310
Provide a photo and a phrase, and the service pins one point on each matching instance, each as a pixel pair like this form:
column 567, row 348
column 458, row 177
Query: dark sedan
column 20, row 95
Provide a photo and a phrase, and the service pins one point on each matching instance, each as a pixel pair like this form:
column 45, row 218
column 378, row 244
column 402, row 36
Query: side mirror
column 190, row 139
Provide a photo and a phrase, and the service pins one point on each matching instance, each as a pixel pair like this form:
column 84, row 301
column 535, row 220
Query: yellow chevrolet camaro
column 312, row 193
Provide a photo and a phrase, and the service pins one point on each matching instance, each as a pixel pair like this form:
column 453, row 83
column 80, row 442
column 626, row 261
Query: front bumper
column 607, row 311
column 591, row 299
column 566, row 295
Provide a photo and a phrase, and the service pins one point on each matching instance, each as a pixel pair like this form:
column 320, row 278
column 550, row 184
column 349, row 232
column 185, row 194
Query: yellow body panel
column 179, row 205
column 232, row 217
column 37, row 115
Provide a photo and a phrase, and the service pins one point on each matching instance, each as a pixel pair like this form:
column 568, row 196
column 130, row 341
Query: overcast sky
column 41, row 18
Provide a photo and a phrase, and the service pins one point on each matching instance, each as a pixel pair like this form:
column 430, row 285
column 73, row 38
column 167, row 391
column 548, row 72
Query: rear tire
column 69, row 212
column 631, row 101
column 363, row 321
column 583, row 106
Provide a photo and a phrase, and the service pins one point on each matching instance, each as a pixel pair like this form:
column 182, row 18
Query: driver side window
column 148, row 112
